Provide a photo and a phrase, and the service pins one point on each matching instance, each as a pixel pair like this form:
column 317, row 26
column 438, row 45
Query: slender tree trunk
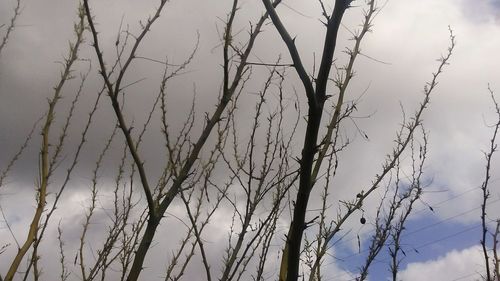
column 143, row 248
column 316, row 99
column 294, row 239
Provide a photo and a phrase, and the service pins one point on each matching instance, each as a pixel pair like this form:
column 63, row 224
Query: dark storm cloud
column 29, row 68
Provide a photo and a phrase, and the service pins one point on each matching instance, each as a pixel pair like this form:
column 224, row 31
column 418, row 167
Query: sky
column 399, row 57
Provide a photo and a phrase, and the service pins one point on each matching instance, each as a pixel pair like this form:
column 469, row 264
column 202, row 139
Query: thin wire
column 430, row 226
column 465, row 276
column 447, row 219
column 425, row 209
column 414, row 248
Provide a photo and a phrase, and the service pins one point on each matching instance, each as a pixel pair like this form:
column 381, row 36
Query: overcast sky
column 408, row 36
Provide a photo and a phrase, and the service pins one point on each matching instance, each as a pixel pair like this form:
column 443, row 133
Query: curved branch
column 294, row 53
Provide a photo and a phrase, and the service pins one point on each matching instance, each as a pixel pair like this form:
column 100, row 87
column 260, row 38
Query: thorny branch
column 486, row 192
column 44, row 167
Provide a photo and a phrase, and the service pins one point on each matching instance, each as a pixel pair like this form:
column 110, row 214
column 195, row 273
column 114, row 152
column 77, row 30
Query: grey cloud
column 482, row 11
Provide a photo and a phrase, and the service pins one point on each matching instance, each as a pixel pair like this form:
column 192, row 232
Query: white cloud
column 332, row 271
column 467, row 264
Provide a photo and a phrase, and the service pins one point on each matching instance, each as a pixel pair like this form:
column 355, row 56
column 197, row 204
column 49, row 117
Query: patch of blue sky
column 495, row 4
column 424, row 239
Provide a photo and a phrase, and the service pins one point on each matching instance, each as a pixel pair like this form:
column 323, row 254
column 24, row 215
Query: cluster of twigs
column 491, row 263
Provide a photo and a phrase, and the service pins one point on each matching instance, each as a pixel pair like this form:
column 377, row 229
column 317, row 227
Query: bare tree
column 47, row 162
column 184, row 169
column 11, row 26
column 181, row 165
column 313, row 152
column 496, row 260
column 261, row 171
column 491, row 273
